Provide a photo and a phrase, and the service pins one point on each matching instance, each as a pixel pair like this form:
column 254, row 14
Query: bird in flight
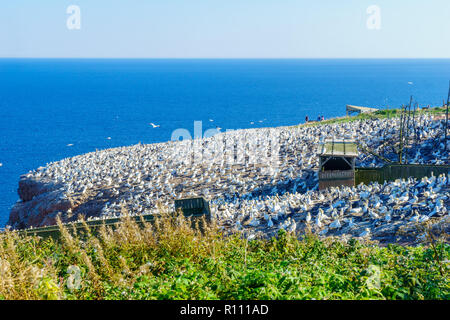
column 154, row 125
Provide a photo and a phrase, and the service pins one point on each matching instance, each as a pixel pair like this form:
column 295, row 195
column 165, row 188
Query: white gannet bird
column 365, row 207
column 330, row 209
column 321, row 215
column 439, row 208
column 254, row 222
column 308, row 218
column 336, row 224
column 318, row 222
column 387, row 217
column 357, row 210
column 292, row 227
column 285, row 224
column 365, row 233
column 373, row 215
column 154, row 125
column 403, row 198
column 350, row 223
column 415, row 217
column 364, row 195
column 414, row 200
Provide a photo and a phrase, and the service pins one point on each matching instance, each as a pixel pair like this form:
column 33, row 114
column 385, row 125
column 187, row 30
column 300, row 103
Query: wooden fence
column 79, row 229
column 392, row 172
column 195, row 208
column 336, row 178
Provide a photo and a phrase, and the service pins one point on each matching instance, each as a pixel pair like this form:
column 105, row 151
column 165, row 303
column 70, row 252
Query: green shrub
column 171, row 260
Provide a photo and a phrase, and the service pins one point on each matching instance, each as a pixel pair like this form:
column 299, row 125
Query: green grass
column 380, row 114
column 170, row 260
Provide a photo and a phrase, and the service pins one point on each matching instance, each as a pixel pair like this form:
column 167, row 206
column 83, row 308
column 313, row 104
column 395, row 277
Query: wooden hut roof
column 338, row 148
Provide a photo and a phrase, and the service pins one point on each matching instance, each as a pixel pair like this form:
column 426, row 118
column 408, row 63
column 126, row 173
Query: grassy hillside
column 170, row 260
column 380, row 114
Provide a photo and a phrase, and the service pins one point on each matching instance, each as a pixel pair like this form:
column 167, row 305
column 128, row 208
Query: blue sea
column 56, row 108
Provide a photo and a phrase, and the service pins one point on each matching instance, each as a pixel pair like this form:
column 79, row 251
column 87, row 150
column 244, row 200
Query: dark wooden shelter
column 193, row 207
column 337, row 163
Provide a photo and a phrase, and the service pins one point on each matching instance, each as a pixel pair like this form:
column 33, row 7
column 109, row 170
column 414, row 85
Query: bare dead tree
column 446, row 117
column 407, row 129
column 416, row 106
column 400, row 146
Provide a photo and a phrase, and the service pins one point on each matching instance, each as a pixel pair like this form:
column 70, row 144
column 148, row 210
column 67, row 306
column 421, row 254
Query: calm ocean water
column 46, row 105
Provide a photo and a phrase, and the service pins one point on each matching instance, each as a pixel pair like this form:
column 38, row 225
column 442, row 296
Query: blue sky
column 225, row 29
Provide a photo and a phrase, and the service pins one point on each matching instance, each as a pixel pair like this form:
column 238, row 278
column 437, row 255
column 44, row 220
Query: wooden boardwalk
column 357, row 109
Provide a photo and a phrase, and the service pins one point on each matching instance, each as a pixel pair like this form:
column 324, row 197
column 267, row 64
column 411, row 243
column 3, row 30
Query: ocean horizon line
column 222, row 58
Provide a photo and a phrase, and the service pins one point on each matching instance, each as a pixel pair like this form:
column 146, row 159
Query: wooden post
column 401, row 137
column 414, row 123
column 407, row 130
column 446, row 117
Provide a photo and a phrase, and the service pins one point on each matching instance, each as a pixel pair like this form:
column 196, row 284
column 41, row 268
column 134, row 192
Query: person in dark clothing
column 306, row 119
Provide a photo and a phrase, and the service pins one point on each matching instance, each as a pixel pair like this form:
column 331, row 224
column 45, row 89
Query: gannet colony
column 257, row 181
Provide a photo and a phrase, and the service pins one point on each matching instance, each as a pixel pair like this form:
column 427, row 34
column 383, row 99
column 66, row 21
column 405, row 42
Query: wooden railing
column 392, row 172
column 336, row 174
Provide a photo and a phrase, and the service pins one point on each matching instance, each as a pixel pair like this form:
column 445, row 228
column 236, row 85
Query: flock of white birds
column 375, row 211
column 260, row 179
